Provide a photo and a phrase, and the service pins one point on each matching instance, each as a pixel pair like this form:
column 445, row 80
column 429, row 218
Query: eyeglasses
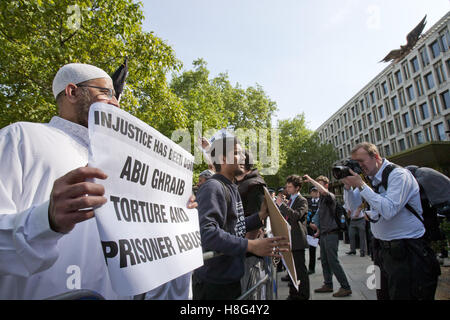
column 109, row 93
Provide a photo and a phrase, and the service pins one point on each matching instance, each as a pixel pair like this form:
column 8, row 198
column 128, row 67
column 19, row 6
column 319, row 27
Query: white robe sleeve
column 27, row 244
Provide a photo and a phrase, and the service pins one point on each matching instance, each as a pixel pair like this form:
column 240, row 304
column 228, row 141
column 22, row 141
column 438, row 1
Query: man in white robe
column 49, row 244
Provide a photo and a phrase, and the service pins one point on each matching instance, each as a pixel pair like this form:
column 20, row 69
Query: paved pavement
column 355, row 268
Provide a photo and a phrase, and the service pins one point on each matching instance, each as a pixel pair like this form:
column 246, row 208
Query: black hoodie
column 222, row 230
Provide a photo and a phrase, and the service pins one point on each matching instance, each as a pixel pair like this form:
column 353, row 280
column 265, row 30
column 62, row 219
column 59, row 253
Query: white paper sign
column 148, row 235
column 312, row 241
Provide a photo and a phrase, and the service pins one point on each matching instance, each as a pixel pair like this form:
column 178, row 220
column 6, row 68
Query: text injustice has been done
column 135, row 133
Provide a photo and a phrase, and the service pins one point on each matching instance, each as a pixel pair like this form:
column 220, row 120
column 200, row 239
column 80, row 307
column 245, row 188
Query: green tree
column 216, row 103
column 38, row 37
column 301, row 152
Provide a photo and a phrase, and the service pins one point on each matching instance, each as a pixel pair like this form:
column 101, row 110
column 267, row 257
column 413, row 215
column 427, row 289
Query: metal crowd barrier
column 269, row 280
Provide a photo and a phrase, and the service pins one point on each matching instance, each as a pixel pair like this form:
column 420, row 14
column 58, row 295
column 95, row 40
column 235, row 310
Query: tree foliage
column 218, row 104
column 38, row 37
column 301, row 152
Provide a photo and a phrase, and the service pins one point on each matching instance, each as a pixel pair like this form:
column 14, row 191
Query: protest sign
column 280, row 227
column 148, row 235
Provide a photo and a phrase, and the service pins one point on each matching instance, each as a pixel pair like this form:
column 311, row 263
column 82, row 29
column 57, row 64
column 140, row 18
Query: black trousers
column 302, row 275
column 211, row 291
column 312, row 258
column 409, row 269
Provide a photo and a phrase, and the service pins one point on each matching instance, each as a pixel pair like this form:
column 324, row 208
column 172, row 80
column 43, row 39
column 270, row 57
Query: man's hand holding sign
column 268, row 246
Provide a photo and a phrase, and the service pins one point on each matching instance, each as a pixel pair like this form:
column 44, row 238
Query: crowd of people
column 44, row 193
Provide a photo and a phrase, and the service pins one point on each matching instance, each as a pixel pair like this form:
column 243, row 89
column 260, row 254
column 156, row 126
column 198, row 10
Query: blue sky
column 309, row 56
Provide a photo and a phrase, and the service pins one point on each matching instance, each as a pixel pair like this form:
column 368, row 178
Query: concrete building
column 405, row 109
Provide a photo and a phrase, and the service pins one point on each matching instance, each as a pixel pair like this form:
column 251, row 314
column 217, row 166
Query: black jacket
column 296, row 217
column 222, row 229
column 251, row 189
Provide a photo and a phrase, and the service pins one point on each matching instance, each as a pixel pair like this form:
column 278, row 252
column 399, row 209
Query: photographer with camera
column 329, row 239
column 409, row 268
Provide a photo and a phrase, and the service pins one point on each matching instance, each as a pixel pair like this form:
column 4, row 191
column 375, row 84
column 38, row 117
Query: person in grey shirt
column 329, row 240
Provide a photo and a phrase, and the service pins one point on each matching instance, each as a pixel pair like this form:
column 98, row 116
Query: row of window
column 411, row 139
column 416, row 89
column 413, row 116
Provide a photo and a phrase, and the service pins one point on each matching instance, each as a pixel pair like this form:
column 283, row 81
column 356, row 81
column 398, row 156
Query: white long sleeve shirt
column 36, row 262
column 395, row 221
column 353, row 204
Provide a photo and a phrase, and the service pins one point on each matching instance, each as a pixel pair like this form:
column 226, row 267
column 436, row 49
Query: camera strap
column 384, row 182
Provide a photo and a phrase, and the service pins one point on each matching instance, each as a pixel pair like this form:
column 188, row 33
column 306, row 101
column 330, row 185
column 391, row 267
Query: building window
column 419, row 86
column 440, row 75
column 428, row 133
column 384, row 131
column 395, row 103
column 372, row 97
column 410, row 92
column 445, row 97
column 391, row 127
column 378, row 134
column 406, row 121
column 405, row 68
column 401, row 144
column 434, row 105
column 429, row 81
column 398, row 77
column 381, row 111
column 385, row 89
column 369, row 118
column 419, row 137
column 440, row 131
column 424, row 113
column 424, row 56
column 360, row 125
column 414, row 115
column 415, row 64
column 443, row 41
column 398, row 123
column 387, row 105
column 435, row 51
column 374, row 112
column 387, row 150
column 361, row 102
column 401, row 95
column 391, row 82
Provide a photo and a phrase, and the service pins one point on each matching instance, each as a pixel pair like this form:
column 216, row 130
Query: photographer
column 409, row 269
column 329, row 239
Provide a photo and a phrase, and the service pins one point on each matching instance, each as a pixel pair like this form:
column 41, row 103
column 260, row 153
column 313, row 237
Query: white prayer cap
column 76, row 73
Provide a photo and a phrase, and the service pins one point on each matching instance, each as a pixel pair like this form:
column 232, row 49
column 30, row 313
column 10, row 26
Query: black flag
column 119, row 77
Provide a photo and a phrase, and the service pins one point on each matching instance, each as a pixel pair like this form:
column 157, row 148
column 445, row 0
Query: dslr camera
column 343, row 170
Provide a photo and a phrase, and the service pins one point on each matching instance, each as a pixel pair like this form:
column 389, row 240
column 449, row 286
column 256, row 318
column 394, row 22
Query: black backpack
column 429, row 214
column 338, row 213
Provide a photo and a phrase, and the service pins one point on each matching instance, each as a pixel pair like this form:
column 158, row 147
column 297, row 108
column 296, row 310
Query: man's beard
column 83, row 105
column 238, row 171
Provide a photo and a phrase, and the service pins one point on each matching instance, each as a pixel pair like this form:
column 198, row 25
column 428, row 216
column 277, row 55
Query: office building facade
column 405, row 109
